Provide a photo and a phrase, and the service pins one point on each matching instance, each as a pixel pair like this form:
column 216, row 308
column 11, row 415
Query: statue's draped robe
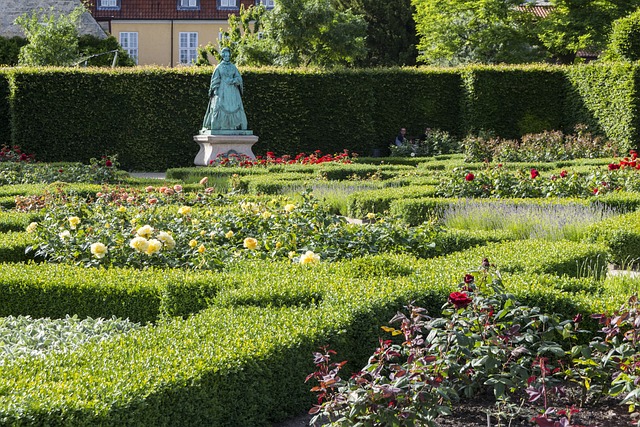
column 225, row 111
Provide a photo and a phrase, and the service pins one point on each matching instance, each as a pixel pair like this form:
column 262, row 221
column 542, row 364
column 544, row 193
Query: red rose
column 459, row 299
column 534, row 174
column 468, row 278
column 108, row 163
column 613, row 166
column 563, row 174
column 470, row 177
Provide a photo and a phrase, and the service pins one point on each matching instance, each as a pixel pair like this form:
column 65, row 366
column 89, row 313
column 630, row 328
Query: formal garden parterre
column 201, row 300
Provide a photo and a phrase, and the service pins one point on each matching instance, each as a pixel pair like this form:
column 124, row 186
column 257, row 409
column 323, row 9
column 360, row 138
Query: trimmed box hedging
column 606, row 97
column 245, row 366
column 17, row 221
column 621, row 236
column 5, row 109
column 13, row 245
column 57, row 290
column 514, row 100
column 361, row 203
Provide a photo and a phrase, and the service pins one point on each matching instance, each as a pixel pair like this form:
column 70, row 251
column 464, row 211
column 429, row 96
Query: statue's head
column 225, row 53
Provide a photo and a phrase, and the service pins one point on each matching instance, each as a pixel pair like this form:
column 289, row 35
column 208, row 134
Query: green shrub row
column 16, row 221
column 5, row 110
column 621, row 236
column 13, row 245
column 514, row 100
column 605, row 97
column 136, row 112
column 236, row 364
column 56, row 290
column 361, row 203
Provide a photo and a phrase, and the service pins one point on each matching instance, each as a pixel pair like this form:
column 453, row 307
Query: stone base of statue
column 223, row 143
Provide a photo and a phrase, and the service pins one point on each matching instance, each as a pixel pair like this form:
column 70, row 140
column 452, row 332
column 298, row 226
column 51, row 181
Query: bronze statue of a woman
column 225, row 110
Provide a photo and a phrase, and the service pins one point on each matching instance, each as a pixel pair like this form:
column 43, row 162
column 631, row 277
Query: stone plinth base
column 211, row 146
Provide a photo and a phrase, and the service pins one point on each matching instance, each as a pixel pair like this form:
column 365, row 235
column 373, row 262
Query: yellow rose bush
column 209, row 233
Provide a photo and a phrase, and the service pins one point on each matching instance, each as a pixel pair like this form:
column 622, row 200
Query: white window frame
column 227, row 4
column 188, row 47
column 269, row 4
column 188, row 4
column 129, row 42
column 108, row 4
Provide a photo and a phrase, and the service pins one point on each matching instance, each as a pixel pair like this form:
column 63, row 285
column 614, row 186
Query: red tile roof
column 163, row 9
column 537, row 10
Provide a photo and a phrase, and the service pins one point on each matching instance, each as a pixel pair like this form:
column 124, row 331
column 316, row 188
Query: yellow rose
column 250, row 243
column 140, row 244
column 153, row 247
column 193, row 243
column 208, row 213
column 98, row 250
column 145, row 231
column 229, row 234
column 201, row 248
column 73, row 222
column 64, row 235
column 266, row 214
column 32, row 227
column 289, row 207
column 122, row 209
column 184, row 210
column 278, row 245
column 371, row 215
column 167, row 240
column 309, row 258
column 292, row 254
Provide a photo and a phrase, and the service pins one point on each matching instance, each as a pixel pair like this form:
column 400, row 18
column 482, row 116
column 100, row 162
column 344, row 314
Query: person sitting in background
column 401, row 139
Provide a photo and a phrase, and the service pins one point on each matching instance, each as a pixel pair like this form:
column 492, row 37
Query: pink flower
column 149, row 189
column 177, row 188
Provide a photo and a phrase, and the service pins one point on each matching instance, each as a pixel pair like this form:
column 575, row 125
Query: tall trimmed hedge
column 607, row 98
column 5, row 111
column 515, row 100
column 149, row 115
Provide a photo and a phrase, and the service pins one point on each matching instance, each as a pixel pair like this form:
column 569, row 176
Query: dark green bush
column 361, row 203
column 515, row 100
column 621, row 236
column 13, row 245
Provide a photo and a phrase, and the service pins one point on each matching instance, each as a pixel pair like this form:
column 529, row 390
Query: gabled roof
column 164, row 9
column 11, row 9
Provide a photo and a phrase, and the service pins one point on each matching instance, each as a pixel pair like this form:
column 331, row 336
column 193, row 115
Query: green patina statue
column 225, row 113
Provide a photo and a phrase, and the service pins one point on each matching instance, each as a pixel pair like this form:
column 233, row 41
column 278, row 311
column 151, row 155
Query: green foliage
column 55, row 291
column 90, row 45
column 13, row 246
column 573, row 25
column 621, row 236
column 604, row 97
column 53, row 40
column 513, row 101
column 624, row 42
column 5, row 109
column 10, row 50
column 312, row 32
column 360, row 204
column 547, row 146
column 454, row 32
column 391, row 31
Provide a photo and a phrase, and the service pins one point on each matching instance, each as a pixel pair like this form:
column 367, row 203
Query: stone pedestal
column 211, row 146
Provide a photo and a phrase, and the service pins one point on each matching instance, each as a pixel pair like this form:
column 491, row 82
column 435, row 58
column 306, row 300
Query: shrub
column 624, row 42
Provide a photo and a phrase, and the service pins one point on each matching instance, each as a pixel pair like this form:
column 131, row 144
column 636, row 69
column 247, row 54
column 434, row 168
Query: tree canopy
column 53, row 40
column 466, row 31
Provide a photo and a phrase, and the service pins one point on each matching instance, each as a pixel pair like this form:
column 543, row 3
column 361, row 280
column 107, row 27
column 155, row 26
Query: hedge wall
column 149, row 115
column 607, row 98
column 514, row 100
column 5, row 111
